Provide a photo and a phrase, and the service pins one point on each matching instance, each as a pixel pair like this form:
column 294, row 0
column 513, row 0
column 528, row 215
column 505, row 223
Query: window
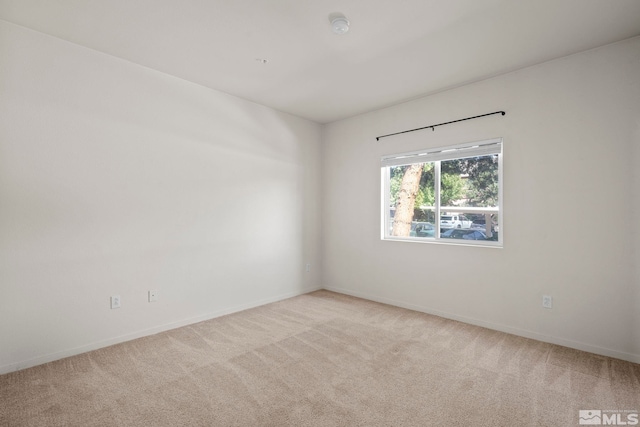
column 446, row 195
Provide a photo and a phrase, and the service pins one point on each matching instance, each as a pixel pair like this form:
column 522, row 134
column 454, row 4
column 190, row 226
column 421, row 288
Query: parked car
column 418, row 229
column 465, row 234
column 481, row 224
column 454, row 221
column 422, row 229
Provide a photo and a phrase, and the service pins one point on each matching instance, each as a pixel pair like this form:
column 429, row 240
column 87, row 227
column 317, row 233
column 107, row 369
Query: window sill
column 451, row 242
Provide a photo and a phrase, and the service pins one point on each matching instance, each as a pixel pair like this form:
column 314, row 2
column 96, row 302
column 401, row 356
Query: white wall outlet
column 307, row 267
column 153, row 295
column 547, row 301
column 115, row 301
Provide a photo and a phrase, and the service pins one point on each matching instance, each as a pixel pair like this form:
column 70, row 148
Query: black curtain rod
column 441, row 124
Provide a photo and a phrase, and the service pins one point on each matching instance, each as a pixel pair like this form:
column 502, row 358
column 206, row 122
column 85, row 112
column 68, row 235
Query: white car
column 455, row 221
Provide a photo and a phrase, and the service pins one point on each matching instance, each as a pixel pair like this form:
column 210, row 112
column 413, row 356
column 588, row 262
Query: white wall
column 116, row 179
column 570, row 204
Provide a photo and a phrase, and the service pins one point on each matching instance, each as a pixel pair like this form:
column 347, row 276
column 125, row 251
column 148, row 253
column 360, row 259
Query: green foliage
column 482, row 181
column 394, row 183
column 426, row 195
column 453, row 167
column 474, row 179
column 452, row 188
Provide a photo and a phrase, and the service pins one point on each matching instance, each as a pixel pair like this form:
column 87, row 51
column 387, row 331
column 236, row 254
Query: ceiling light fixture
column 339, row 24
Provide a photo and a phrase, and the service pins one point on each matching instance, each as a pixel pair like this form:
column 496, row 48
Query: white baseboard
column 39, row 360
column 630, row 357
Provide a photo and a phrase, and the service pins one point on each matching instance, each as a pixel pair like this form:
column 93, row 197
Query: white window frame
column 437, row 155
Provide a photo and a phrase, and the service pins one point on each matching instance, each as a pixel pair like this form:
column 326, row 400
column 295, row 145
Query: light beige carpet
column 321, row 359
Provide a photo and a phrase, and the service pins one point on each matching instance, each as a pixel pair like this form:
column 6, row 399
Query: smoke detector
column 339, row 24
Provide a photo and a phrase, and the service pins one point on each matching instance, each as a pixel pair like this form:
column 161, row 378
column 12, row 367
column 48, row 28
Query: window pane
column 471, row 181
column 469, row 226
column 412, row 200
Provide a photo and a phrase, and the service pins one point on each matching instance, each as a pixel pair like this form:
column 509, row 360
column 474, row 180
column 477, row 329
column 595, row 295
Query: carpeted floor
column 321, row 359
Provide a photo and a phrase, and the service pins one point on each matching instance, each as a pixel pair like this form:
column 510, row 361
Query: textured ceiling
column 395, row 50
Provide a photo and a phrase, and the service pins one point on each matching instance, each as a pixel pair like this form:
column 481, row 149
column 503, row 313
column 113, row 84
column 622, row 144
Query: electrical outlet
column 547, row 301
column 153, row 295
column 308, row 268
column 115, row 301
